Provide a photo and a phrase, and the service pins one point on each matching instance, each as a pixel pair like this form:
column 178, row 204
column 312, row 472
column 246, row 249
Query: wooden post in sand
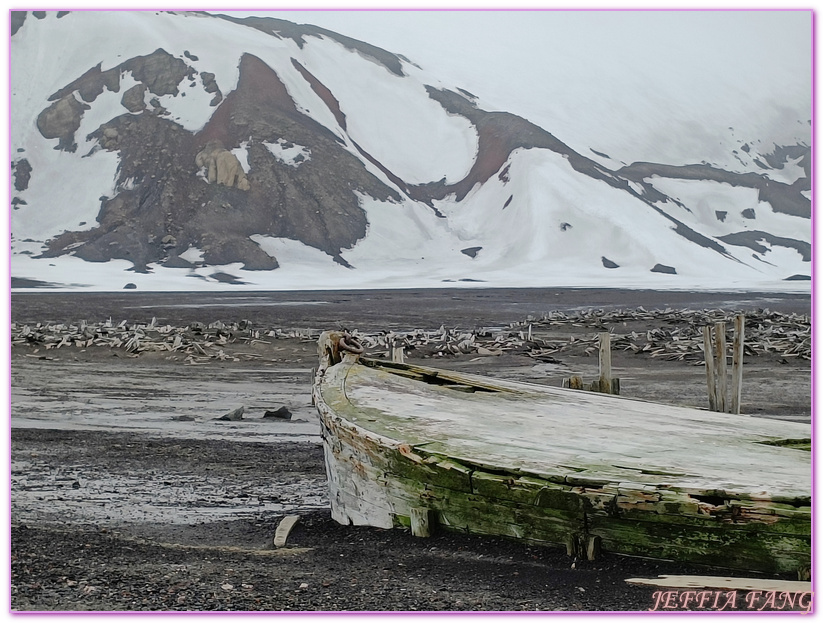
column 313, row 377
column 720, row 350
column 397, row 354
column 422, row 522
column 605, row 363
column 737, row 362
column 604, row 384
column 708, row 354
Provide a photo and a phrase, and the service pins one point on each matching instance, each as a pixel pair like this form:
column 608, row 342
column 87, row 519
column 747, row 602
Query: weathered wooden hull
column 386, row 470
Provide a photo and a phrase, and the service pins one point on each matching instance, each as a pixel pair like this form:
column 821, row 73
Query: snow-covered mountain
column 170, row 150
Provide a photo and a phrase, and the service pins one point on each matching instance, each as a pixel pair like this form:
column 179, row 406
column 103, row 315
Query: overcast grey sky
column 750, row 69
column 770, row 50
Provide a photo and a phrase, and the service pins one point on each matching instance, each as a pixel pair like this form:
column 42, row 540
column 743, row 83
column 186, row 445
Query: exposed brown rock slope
column 162, row 207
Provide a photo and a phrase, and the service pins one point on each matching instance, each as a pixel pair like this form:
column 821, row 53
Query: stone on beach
column 232, row 416
column 282, row 414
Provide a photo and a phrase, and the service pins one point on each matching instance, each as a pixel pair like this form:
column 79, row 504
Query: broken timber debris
column 678, row 338
column 406, row 446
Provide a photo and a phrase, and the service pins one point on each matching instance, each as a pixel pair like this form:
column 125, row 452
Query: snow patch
column 789, row 173
column 289, row 153
column 242, row 155
column 393, row 118
column 191, row 107
column 193, row 255
column 704, row 198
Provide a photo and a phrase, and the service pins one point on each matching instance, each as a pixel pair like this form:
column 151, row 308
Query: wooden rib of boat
column 413, row 446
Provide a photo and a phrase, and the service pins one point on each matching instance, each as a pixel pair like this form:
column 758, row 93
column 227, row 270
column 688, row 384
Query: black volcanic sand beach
column 177, row 512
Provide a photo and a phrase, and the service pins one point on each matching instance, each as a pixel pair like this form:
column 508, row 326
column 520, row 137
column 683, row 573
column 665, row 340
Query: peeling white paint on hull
column 410, row 446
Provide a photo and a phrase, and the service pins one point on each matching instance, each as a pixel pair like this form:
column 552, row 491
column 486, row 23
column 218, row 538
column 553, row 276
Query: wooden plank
column 737, row 362
column 422, row 522
column 720, row 353
column 724, row 583
column 593, row 547
column 768, row 552
column 284, row 528
column 708, row 353
column 397, row 353
column 571, row 435
column 605, row 363
column 787, row 526
column 501, row 487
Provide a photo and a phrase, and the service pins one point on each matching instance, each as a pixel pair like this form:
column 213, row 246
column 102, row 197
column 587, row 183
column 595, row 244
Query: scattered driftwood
column 196, row 343
column 678, row 336
column 681, row 335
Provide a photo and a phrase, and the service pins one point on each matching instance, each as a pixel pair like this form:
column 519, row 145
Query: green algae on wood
column 554, row 467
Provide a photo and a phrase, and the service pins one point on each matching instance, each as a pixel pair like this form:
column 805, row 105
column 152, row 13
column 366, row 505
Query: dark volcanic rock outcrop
column 662, row 268
column 283, row 29
column 21, row 169
column 163, row 207
column 16, row 21
column 159, row 73
column 61, row 120
column 754, row 239
column 784, row 198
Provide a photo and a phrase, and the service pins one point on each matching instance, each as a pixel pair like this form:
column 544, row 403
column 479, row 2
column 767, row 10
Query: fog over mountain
column 191, row 150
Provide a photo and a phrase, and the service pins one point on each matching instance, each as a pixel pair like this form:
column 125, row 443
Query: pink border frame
column 815, row 393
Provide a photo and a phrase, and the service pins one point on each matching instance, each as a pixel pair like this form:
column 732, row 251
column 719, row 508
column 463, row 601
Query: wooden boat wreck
column 422, row 448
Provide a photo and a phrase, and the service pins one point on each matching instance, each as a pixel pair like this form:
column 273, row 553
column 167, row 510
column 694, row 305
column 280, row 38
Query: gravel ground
column 73, row 561
column 172, row 511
